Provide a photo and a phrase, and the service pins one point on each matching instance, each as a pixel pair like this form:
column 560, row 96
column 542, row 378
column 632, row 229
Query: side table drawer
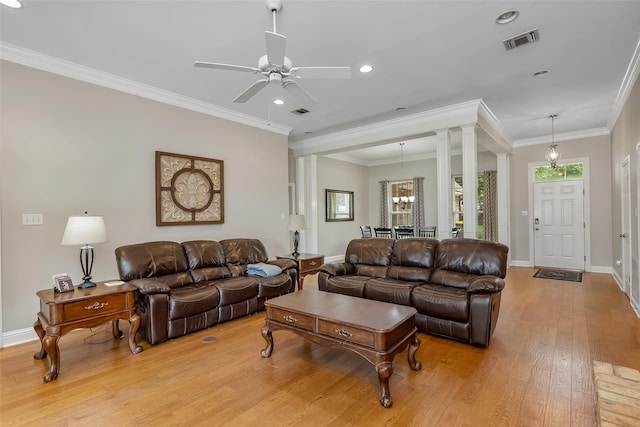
column 310, row 264
column 346, row 333
column 93, row 307
column 294, row 319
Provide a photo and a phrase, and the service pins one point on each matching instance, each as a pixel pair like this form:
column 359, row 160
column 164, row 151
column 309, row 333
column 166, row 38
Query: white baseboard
column 517, row 263
column 334, row 258
column 18, row 337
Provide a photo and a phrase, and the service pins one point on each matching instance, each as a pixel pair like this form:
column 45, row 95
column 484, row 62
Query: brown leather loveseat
column 454, row 284
column 185, row 287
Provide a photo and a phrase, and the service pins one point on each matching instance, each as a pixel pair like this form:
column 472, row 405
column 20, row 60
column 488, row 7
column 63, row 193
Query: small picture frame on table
column 62, row 283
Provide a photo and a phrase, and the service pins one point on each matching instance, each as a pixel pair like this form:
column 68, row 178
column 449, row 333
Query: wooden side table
column 307, row 264
column 83, row 308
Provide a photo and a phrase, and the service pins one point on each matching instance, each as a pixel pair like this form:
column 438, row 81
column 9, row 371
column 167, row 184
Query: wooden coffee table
column 375, row 330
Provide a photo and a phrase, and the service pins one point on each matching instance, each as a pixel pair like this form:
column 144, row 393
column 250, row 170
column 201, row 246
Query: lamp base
column 296, row 241
column 86, row 284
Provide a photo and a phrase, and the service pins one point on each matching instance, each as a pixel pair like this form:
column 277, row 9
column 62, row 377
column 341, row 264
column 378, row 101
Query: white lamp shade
column 83, row 230
column 296, row 222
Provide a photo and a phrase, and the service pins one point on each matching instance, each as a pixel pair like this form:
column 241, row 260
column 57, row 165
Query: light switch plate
column 32, row 219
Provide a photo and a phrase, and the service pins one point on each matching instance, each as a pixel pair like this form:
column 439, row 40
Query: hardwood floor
column 537, row 371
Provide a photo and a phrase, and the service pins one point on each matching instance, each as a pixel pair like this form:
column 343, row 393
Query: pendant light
column 553, row 155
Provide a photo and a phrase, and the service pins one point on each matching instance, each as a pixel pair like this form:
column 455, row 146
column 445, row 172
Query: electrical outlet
column 32, row 219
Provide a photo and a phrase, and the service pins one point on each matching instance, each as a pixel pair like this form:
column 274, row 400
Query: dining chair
column 382, row 232
column 427, row 231
column 403, row 232
column 366, row 231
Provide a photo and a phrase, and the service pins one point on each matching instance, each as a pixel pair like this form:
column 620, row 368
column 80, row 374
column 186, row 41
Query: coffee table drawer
column 346, row 333
column 295, row 319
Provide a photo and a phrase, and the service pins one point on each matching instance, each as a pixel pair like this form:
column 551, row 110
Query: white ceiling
column 426, row 55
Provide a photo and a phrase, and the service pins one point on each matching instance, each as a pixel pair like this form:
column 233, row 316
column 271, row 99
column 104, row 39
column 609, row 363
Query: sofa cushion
column 244, row 251
column 347, row 285
column 389, row 290
column 370, row 251
column 409, row 274
column 479, row 257
column 371, row 270
column 166, row 261
column 192, row 299
column 236, row 289
column 414, row 253
column 442, row 302
column 273, row 286
column 206, row 260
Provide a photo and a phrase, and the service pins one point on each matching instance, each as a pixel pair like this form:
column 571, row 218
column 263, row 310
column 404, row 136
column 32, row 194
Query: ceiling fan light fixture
column 366, row 68
column 508, row 16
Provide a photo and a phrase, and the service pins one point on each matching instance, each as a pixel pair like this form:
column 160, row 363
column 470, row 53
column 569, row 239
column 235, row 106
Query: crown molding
column 398, row 129
column 568, row 136
column 29, row 58
column 628, row 82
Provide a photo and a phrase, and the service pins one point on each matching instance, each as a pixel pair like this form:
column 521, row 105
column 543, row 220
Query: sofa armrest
column 338, row 268
column 486, row 284
column 283, row 263
column 150, row 286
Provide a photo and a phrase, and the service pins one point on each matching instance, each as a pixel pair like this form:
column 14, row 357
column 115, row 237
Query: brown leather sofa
column 185, row 287
column 454, row 284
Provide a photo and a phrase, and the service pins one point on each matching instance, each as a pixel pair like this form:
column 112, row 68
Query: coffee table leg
column 385, row 369
column 266, row 334
column 414, row 344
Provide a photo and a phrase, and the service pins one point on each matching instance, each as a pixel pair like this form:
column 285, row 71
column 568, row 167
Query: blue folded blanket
column 263, row 270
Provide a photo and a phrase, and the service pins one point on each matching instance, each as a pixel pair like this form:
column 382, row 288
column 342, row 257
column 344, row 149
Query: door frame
column 586, row 208
column 627, row 260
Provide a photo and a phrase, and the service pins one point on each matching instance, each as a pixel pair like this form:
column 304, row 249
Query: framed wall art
column 339, row 205
column 189, row 190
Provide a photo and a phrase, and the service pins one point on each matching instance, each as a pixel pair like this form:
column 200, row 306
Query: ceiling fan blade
column 252, row 90
column 297, row 91
column 321, row 72
column 276, row 44
column 215, row 65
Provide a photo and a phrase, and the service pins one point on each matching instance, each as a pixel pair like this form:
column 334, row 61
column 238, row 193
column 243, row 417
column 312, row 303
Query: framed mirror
column 339, row 205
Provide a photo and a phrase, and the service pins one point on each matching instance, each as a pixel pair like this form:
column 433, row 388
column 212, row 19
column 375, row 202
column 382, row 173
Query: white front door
column 559, row 224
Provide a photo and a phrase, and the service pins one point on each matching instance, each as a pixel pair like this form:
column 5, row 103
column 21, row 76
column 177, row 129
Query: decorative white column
column 470, row 180
column 503, row 211
column 307, row 185
column 445, row 203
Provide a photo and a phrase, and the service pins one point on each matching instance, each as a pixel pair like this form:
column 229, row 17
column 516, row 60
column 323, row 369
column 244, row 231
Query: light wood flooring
column 537, row 372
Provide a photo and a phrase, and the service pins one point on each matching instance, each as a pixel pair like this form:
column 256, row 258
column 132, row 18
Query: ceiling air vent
column 524, row 38
column 300, row 111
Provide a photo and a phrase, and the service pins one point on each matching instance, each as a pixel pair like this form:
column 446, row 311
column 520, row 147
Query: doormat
column 570, row 276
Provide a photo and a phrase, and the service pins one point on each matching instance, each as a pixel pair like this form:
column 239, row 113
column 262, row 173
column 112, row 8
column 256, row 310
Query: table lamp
column 84, row 230
column 296, row 222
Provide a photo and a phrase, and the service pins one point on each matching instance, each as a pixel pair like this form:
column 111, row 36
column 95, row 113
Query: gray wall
column 333, row 237
column 597, row 150
column 624, row 138
column 69, row 146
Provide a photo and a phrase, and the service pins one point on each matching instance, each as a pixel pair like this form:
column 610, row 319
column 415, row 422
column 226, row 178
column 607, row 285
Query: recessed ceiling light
column 278, row 101
column 540, row 73
column 366, row 68
column 12, row 3
column 508, row 16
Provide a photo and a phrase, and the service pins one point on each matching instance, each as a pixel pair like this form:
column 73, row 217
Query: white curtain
column 384, row 203
column 417, row 207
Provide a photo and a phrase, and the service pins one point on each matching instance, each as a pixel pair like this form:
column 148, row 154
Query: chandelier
column 403, row 199
column 553, row 155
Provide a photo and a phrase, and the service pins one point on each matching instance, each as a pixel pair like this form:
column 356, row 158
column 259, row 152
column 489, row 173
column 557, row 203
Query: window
column 565, row 171
column 458, row 203
column 401, row 202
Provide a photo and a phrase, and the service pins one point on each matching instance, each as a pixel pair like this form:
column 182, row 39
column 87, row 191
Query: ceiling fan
column 277, row 68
